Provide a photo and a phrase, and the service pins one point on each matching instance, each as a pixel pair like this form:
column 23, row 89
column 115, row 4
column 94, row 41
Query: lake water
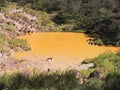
column 65, row 47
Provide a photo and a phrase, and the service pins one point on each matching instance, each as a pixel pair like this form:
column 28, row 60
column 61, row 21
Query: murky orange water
column 65, row 48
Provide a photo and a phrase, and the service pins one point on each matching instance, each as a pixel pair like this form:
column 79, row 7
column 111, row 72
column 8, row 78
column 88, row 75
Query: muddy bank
column 11, row 65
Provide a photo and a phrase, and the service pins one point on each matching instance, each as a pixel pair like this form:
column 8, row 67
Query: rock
column 16, row 10
column 94, row 74
column 86, row 66
column 31, row 17
column 77, row 72
column 84, row 62
column 3, row 56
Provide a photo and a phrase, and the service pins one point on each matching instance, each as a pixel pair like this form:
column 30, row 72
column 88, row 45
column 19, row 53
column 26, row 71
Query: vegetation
column 2, row 3
column 99, row 18
column 41, row 81
column 106, row 62
column 112, row 80
column 16, row 42
column 13, row 43
column 8, row 26
column 2, row 43
column 57, row 81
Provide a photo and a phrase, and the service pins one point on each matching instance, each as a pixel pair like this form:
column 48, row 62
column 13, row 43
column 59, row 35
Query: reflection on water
column 72, row 47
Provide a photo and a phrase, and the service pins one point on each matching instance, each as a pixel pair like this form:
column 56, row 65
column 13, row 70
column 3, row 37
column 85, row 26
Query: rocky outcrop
column 23, row 26
column 16, row 22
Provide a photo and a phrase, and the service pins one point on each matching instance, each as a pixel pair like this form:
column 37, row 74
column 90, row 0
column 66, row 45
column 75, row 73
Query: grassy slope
column 106, row 62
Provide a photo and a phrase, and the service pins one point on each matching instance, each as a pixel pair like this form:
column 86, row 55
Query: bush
column 2, row 39
column 9, row 27
column 106, row 62
column 16, row 42
column 41, row 81
column 68, row 28
column 2, row 82
column 92, row 84
column 2, row 3
column 112, row 81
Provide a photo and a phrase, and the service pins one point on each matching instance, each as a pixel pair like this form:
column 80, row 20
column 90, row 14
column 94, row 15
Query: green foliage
column 9, row 26
column 16, row 42
column 80, row 31
column 61, row 18
column 3, row 41
column 13, row 43
column 57, row 81
column 2, row 38
column 2, row 3
column 41, row 81
column 112, row 81
column 3, row 49
column 2, row 82
column 86, row 73
column 47, row 5
column 109, row 66
column 105, row 60
column 92, row 84
column 105, row 63
column 54, row 81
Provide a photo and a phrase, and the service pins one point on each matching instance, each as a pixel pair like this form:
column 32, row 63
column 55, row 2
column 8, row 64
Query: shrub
column 2, row 82
column 104, row 63
column 92, row 84
column 16, row 42
column 2, row 3
column 112, row 81
column 42, row 81
column 2, row 38
column 9, row 27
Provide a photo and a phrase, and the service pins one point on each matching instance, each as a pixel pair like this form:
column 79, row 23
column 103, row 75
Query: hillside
column 100, row 18
column 16, row 21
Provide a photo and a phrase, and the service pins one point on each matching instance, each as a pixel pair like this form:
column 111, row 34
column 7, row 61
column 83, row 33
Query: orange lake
column 66, row 48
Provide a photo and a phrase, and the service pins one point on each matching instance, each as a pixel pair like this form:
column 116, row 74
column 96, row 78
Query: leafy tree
column 2, row 3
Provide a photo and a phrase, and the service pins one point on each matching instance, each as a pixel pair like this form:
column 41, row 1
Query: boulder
column 94, row 74
column 78, row 73
column 86, row 66
column 3, row 56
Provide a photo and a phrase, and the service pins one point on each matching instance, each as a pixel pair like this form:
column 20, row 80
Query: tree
column 2, row 3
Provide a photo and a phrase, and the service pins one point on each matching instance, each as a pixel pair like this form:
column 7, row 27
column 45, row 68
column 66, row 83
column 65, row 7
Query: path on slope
column 66, row 49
